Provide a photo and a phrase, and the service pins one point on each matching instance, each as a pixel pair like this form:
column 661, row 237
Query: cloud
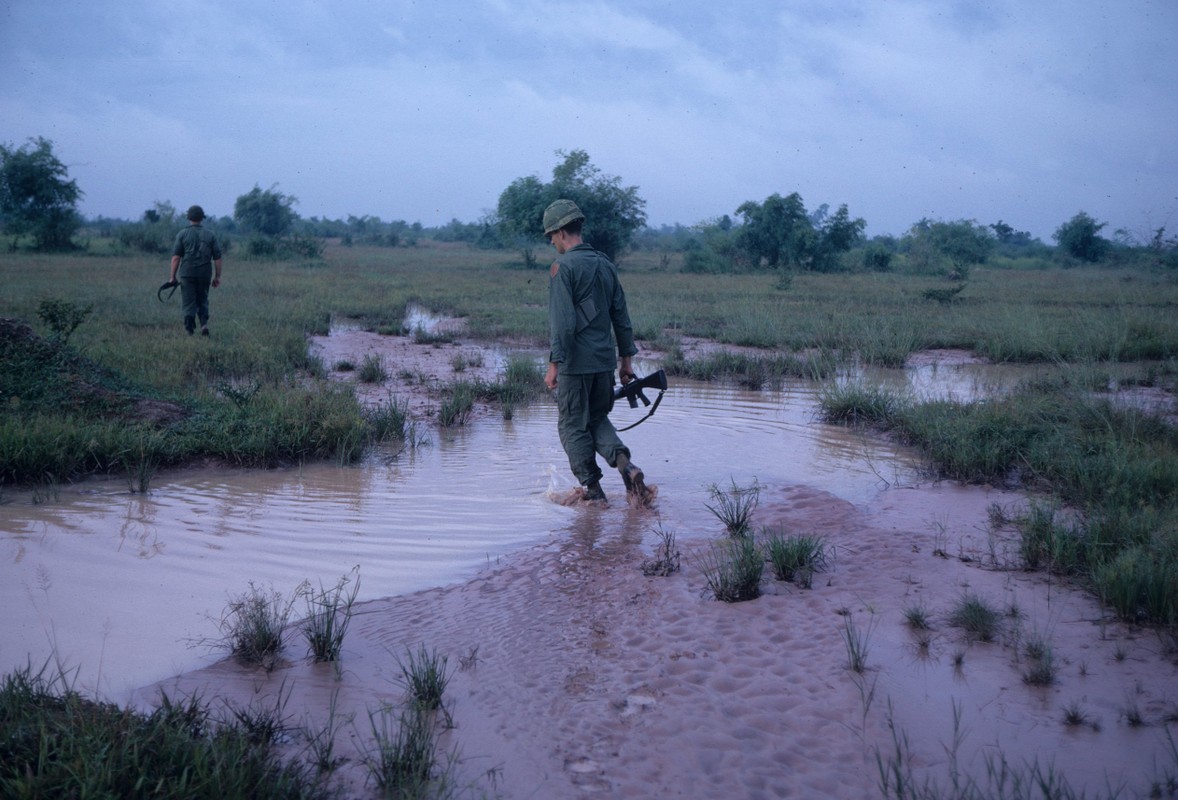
column 426, row 111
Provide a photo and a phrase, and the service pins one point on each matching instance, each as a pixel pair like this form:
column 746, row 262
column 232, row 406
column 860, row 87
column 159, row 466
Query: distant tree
column 776, row 231
column 962, row 243
column 779, row 232
column 1080, row 238
column 155, row 233
column 269, row 213
column 36, row 196
column 613, row 213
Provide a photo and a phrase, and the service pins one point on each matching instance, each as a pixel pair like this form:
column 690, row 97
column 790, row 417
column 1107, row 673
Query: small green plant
column 799, row 555
column 460, row 362
column 62, row 317
column 372, row 369
column 262, row 725
column 457, row 407
column 1074, row 715
column 321, row 740
column 422, row 336
column 404, row 756
column 733, row 569
column 240, row 395
column 666, row 556
column 857, row 641
column 916, row 616
column 424, row 675
column 345, row 365
column 735, row 506
column 329, row 612
column 1132, row 714
column 976, row 617
column 254, row 624
column 1042, row 669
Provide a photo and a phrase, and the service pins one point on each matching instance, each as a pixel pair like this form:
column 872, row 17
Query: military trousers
column 583, row 404
column 194, row 295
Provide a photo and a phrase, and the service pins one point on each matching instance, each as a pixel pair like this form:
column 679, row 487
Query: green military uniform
column 586, row 312
column 197, row 249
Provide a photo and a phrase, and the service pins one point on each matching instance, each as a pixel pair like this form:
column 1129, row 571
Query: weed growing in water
column 733, row 569
column 403, row 759
column 329, row 612
column 372, row 369
column 262, row 725
column 253, row 625
column 979, row 619
column 457, row 407
column 666, row 555
column 1042, row 669
column 798, row 555
column 735, row 506
column 425, row 677
column 1074, row 715
column 851, row 402
column 857, row 641
column 917, row 617
column 321, row 741
column 1132, row 714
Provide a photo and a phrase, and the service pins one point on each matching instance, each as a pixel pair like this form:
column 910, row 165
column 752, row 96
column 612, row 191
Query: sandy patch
column 418, row 373
column 573, row 674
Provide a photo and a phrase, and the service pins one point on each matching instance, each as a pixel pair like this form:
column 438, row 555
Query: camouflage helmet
column 559, row 214
column 196, row 213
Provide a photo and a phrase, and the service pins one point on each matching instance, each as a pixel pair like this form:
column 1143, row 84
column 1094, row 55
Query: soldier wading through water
column 586, row 311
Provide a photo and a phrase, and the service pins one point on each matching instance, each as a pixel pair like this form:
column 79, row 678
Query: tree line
column 38, row 204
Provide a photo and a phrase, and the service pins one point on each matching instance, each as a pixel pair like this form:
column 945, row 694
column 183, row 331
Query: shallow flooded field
column 126, row 587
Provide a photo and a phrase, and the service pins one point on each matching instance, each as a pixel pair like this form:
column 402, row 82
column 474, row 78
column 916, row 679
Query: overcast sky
column 426, row 110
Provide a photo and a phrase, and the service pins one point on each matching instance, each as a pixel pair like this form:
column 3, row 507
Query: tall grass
column 263, row 313
column 57, row 743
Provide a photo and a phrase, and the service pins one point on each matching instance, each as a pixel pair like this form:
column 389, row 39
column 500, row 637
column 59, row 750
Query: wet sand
column 573, row 674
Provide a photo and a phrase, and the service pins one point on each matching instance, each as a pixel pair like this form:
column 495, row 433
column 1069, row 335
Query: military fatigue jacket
column 198, row 249
column 586, row 311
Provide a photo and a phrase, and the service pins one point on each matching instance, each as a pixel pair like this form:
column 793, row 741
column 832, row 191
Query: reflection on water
column 120, row 585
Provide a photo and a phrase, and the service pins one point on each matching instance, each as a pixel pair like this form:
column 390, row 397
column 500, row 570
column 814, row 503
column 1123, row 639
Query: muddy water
column 125, row 588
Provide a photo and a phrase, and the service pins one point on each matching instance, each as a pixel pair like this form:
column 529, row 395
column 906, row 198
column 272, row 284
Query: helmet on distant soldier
column 559, row 214
column 196, row 213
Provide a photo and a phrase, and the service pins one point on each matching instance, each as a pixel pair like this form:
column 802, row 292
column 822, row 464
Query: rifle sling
column 653, row 407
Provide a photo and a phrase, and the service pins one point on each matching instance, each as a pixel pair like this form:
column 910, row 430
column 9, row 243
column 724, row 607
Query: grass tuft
column 425, row 677
column 329, row 612
column 735, row 506
column 666, row 556
column 976, row 617
column 796, row 556
column 733, row 569
column 254, row 623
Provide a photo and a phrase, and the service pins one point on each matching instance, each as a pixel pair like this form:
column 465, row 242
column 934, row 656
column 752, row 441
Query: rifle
column 633, row 392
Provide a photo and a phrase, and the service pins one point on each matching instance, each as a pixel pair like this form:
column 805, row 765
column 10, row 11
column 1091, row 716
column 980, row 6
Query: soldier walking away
column 194, row 256
column 586, row 314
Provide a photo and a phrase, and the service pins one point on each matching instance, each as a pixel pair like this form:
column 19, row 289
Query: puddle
column 120, row 585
